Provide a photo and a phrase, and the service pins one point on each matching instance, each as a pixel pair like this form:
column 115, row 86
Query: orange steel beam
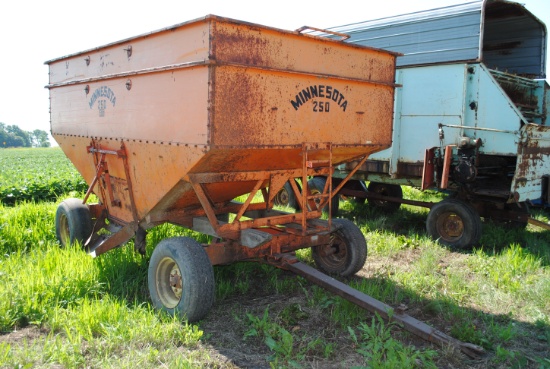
column 99, row 170
column 207, row 205
column 115, row 240
column 122, row 154
column 350, row 174
column 446, row 166
column 102, row 168
column 282, row 242
column 428, row 170
column 248, row 200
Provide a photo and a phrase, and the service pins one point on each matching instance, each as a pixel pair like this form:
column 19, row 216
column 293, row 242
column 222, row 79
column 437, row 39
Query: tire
column 520, row 209
column 347, row 253
column 73, row 222
column 385, row 189
column 316, row 185
column 454, row 223
column 181, row 258
column 286, row 197
column 223, row 217
column 355, row 185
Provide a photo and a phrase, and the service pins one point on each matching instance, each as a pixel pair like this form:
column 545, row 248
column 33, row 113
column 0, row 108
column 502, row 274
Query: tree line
column 13, row 136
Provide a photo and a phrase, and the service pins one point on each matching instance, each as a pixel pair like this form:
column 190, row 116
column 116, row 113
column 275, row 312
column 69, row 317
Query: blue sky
column 33, row 34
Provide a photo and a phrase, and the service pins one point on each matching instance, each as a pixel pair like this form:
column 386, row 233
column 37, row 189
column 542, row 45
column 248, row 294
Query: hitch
column 421, row 329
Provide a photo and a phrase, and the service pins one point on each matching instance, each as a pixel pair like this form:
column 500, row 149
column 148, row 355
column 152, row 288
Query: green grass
column 93, row 310
column 96, row 312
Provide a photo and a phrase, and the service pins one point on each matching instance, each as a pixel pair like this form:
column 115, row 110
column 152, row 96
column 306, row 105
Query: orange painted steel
column 172, row 125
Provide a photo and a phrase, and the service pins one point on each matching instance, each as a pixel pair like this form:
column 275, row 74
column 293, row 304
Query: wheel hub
column 334, row 254
column 282, row 197
column 169, row 282
column 175, row 281
column 450, row 225
column 64, row 233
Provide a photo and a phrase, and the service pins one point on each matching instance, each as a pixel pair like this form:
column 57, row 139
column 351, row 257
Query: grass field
column 37, row 175
column 60, row 308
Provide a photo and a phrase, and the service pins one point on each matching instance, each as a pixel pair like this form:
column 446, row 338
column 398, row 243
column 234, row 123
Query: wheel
column 520, row 209
column 316, row 186
column 454, row 223
column 347, row 253
column 223, row 217
column 358, row 186
column 286, row 197
column 181, row 278
column 385, row 189
column 73, row 222
column 355, row 185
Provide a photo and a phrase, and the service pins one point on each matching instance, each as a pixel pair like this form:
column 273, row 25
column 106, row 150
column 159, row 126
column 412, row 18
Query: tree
column 3, row 135
column 39, row 138
column 19, row 137
column 13, row 136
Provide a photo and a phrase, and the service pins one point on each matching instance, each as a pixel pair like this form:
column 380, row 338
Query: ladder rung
column 317, row 163
column 318, row 196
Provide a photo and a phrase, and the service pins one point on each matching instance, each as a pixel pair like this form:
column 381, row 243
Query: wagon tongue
column 421, row 329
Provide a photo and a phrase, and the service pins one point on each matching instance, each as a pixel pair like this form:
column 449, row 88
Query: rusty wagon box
column 215, row 95
column 173, row 125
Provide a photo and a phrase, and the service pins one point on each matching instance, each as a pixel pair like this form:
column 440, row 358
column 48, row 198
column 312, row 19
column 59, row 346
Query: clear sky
column 34, row 32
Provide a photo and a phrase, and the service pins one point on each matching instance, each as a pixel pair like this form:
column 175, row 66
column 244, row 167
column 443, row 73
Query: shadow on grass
column 321, row 315
column 496, row 237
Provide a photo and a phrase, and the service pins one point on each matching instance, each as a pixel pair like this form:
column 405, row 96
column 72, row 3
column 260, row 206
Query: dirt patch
column 19, row 336
column 227, row 324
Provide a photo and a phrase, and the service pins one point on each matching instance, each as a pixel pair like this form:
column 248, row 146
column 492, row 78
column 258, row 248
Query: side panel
column 465, row 99
column 493, row 110
column 156, row 170
column 168, row 106
column 181, row 44
column 429, row 96
column 265, row 108
column 533, row 162
column 282, row 50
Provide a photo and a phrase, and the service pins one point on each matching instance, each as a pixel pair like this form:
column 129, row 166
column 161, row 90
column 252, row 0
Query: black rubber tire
column 184, row 257
column 73, row 222
column 521, row 209
column 317, row 185
column 454, row 223
column 286, row 197
column 223, row 217
column 356, row 185
column 385, row 189
column 350, row 251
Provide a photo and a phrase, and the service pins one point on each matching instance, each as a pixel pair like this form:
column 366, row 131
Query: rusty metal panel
column 533, row 162
column 182, row 44
column 252, row 45
column 278, row 109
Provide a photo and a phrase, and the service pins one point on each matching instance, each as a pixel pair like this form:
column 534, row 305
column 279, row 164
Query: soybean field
column 36, row 175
